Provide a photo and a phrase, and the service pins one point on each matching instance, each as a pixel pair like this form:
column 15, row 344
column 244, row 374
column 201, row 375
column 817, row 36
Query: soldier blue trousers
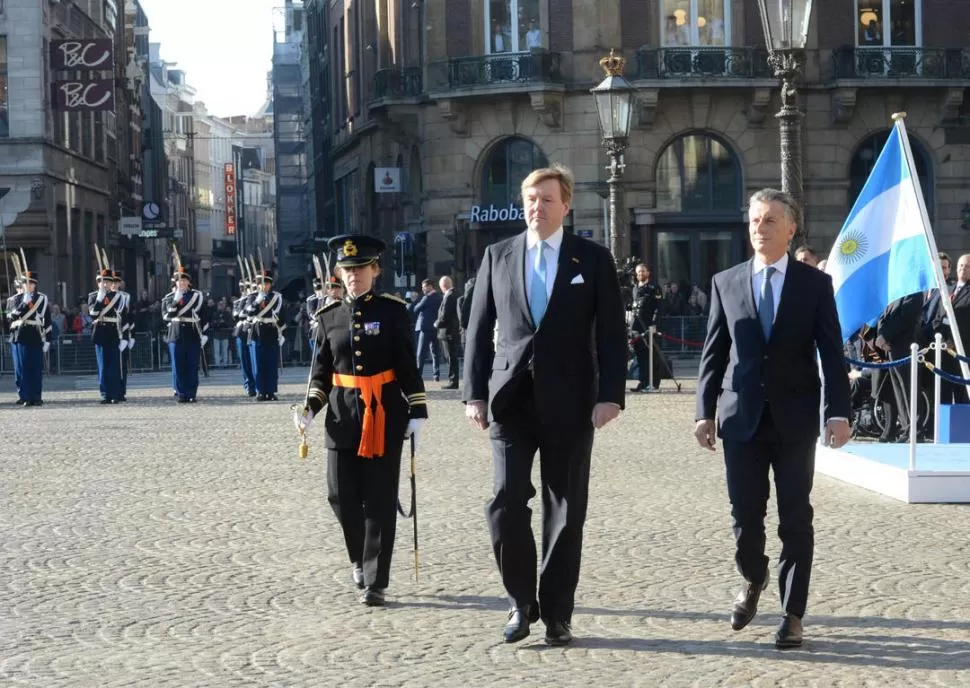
column 246, row 365
column 185, row 368
column 266, row 361
column 30, row 360
column 109, row 370
column 18, row 370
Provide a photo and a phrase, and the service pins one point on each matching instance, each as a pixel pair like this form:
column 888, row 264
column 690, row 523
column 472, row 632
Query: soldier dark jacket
column 646, row 306
column 107, row 317
column 264, row 312
column 127, row 316
column 367, row 337
column 313, row 304
column 241, row 328
column 186, row 316
column 30, row 319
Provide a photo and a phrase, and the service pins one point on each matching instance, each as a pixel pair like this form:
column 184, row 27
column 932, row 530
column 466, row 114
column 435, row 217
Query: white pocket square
column 578, row 279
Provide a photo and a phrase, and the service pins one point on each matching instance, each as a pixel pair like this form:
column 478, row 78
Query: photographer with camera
column 647, row 298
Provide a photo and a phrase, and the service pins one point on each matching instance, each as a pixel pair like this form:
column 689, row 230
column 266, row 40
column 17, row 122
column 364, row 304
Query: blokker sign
column 490, row 213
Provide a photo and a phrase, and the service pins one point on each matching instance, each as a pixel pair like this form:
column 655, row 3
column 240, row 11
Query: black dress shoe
column 449, row 386
column 558, row 633
column 358, row 575
column 261, row 397
column 519, row 619
column 272, row 397
column 746, row 604
column 106, row 401
column 373, row 597
column 252, row 394
column 789, row 633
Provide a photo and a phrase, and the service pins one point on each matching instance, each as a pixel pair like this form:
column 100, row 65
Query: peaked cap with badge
column 356, row 250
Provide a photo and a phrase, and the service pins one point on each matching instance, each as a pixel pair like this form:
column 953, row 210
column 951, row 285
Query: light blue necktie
column 540, row 299
column 766, row 304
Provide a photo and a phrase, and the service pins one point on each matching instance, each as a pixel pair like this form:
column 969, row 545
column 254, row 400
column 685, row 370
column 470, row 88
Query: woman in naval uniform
column 366, row 375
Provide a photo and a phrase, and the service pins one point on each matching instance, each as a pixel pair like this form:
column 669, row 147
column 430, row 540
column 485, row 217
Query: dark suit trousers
column 363, row 495
column 564, row 459
column 449, row 344
column 793, row 464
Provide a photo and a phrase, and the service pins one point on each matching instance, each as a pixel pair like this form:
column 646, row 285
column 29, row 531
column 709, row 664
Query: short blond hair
column 560, row 173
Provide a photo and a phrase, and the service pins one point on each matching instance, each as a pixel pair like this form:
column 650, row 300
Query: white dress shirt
column 553, row 244
column 777, row 280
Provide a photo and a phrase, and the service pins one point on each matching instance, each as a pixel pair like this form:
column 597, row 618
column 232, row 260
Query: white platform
column 942, row 472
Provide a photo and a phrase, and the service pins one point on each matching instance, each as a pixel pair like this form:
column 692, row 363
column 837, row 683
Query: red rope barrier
column 675, row 340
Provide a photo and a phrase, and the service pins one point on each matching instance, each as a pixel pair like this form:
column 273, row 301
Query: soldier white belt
column 107, row 319
column 182, row 320
column 265, row 321
column 17, row 323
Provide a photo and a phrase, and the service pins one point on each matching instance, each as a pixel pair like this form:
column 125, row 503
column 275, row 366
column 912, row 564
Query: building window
column 4, row 111
column 888, row 23
column 865, row 159
column 509, row 162
column 512, row 26
column 695, row 23
column 698, row 173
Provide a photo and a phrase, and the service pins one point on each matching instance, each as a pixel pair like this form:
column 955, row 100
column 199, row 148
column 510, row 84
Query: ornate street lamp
column 785, row 24
column 614, row 105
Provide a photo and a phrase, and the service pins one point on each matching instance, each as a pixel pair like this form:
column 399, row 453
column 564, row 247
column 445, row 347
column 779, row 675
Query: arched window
column 508, row 163
column 697, row 173
column 865, row 159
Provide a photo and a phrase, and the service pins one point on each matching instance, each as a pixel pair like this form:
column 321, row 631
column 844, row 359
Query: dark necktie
column 766, row 304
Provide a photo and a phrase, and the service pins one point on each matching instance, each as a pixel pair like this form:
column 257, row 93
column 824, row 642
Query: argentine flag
column 883, row 251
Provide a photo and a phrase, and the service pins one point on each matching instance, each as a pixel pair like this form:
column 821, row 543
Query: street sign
column 585, row 233
column 129, row 226
column 160, row 233
column 151, row 211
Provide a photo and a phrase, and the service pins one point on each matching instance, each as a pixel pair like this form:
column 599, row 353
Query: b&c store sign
column 489, row 213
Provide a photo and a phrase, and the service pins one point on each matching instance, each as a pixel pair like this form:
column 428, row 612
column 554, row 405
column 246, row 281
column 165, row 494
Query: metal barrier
column 75, row 354
column 682, row 334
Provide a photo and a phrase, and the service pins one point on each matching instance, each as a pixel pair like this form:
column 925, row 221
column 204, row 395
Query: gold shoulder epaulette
column 395, row 297
column 328, row 307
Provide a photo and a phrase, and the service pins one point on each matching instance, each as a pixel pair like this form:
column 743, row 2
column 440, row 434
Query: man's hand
column 705, row 433
column 476, row 412
column 603, row 413
column 837, row 433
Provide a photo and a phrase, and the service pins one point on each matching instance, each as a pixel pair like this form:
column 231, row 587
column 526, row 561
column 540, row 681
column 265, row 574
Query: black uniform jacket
column 241, row 328
column 186, row 316
column 108, row 315
column 30, row 320
column 365, row 337
column 265, row 317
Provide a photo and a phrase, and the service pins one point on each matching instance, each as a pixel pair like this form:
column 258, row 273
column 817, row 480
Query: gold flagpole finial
column 613, row 64
column 896, row 116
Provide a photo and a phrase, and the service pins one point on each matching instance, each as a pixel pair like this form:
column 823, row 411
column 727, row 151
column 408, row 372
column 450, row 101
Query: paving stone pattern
column 158, row 544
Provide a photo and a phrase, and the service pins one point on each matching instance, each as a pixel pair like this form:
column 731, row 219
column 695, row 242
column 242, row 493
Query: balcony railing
column 703, row 63
column 500, row 70
column 901, row 63
column 398, row 82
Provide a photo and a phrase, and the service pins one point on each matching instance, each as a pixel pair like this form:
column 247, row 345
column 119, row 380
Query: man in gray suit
column 759, row 376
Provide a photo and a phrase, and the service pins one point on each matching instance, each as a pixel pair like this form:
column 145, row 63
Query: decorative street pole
column 785, row 24
column 614, row 105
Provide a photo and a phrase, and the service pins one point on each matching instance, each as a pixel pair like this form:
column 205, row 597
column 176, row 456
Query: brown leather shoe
column 789, row 633
column 746, row 604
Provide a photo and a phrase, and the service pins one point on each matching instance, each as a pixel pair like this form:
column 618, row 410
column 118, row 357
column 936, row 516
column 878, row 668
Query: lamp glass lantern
column 785, row 23
column 614, row 100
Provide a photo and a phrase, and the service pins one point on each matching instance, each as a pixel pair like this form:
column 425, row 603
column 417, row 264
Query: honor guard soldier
column 240, row 334
column 187, row 323
column 335, row 290
column 17, row 291
column 266, row 336
column 314, row 303
column 105, row 308
column 127, row 330
column 30, row 327
column 366, row 376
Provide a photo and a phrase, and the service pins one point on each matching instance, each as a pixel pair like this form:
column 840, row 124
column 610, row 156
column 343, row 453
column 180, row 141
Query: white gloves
column 131, row 344
column 302, row 419
column 205, row 338
column 47, row 347
column 101, row 294
column 414, row 430
column 122, row 345
column 179, row 294
column 281, row 340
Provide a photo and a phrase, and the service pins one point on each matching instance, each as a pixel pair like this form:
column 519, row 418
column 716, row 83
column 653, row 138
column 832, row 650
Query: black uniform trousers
column 363, row 495
column 449, row 345
column 564, row 460
column 793, row 464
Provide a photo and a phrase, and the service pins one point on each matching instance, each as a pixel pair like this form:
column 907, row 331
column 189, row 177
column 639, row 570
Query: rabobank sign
column 489, row 213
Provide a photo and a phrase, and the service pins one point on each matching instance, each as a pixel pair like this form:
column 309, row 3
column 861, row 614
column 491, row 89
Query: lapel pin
column 575, row 260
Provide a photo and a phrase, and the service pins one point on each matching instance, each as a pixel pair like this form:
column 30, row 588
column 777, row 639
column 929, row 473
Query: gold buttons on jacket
column 356, row 326
column 358, row 353
column 356, row 338
column 358, row 313
column 360, row 367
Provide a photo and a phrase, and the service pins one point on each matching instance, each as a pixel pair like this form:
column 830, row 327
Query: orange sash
column 372, row 431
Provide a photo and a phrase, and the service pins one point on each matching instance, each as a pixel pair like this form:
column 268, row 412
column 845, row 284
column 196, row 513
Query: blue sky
column 224, row 46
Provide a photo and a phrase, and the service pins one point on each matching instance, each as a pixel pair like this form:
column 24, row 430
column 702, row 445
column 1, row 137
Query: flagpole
column 900, row 119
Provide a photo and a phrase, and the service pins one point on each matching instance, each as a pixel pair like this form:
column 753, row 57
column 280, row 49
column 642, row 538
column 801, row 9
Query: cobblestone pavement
column 158, row 544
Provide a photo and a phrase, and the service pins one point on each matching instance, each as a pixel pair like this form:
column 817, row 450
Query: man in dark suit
column 448, row 329
column 758, row 374
column 550, row 373
column 425, row 312
column 897, row 328
column 960, row 301
column 465, row 305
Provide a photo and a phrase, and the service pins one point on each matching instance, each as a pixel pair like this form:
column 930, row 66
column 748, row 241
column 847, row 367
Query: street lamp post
column 614, row 105
column 785, row 24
